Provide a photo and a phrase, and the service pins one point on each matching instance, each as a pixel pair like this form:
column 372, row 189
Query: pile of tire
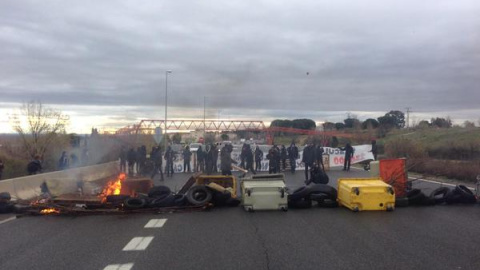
column 323, row 195
column 441, row 195
column 201, row 195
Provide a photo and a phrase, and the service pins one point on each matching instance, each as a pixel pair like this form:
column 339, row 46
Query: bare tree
column 38, row 126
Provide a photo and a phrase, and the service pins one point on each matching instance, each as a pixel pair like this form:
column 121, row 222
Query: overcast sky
column 104, row 62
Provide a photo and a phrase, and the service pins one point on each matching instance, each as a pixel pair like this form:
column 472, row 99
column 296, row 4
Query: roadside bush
column 460, row 170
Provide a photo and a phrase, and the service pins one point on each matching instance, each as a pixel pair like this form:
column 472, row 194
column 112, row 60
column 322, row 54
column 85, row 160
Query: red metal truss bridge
column 149, row 126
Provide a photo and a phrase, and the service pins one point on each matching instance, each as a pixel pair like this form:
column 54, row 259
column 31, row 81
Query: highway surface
column 435, row 237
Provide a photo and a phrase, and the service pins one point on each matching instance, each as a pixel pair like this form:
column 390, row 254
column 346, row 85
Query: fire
column 113, row 187
column 49, row 211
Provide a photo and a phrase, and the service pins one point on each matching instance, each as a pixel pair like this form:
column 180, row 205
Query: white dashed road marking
column 156, row 223
column 138, row 243
column 126, row 266
column 7, row 220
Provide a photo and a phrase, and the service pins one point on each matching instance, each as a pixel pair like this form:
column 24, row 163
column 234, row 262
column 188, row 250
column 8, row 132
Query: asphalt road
column 437, row 237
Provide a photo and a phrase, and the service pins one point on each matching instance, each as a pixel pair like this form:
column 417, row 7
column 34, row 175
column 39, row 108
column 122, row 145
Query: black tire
column 401, row 202
column 427, row 201
column 466, row 194
column 415, row 197
column 299, row 193
column 328, row 203
column 453, row 197
column 117, row 199
column 439, row 194
column 180, row 200
column 300, row 204
column 199, row 195
column 319, row 197
column 220, row 198
column 134, row 203
column 232, row 202
column 321, row 188
column 159, row 192
column 166, row 201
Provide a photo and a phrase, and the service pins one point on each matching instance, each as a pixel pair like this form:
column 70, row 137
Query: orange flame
column 49, row 211
column 113, row 187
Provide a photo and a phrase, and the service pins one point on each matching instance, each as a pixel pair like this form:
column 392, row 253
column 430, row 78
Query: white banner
column 336, row 157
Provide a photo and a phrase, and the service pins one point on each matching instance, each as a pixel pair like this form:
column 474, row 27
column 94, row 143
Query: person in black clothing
column 214, row 157
column 200, row 160
column 63, row 161
column 319, row 156
column 277, row 157
column 258, row 159
column 157, row 158
column 2, row 166
column 293, row 156
column 226, row 160
column 209, row 159
column 249, row 159
column 243, row 155
column 132, row 159
column 283, row 156
column 35, row 166
column 273, row 156
column 169, row 158
column 186, row 159
column 123, row 159
column 308, row 158
column 348, row 156
column 141, row 157
column 374, row 149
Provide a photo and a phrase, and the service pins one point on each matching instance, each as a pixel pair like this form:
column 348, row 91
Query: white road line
column 138, row 243
column 126, row 266
column 7, row 220
column 156, row 223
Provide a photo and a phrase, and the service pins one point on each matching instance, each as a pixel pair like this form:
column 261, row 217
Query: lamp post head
column 168, row 71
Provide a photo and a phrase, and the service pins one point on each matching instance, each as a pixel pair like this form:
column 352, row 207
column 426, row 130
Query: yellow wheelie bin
column 360, row 194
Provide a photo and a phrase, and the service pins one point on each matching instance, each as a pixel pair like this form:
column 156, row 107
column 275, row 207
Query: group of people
column 67, row 161
column 207, row 158
column 277, row 158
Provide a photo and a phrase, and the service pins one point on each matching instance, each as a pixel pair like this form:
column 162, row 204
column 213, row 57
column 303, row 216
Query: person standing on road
column 215, row 157
column 258, row 159
column 186, row 159
column 249, row 159
column 169, row 158
column 243, row 155
column 349, row 151
column 308, row 158
column 319, row 157
column 63, row 161
column 132, row 159
column 123, row 159
column 283, row 156
column 200, row 160
column 157, row 158
column 2, row 166
column 34, row 166
column 226, row 160
column 293, row 156
column 273, row 156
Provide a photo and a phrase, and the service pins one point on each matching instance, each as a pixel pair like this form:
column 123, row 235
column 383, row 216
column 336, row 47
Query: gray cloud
column 252, row 58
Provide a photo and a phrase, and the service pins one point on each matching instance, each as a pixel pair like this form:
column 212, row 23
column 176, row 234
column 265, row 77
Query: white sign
column 336, row 158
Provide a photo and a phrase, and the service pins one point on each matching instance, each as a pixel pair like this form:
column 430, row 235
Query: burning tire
column 134, row 203
column 117, row 199
column 199, row 195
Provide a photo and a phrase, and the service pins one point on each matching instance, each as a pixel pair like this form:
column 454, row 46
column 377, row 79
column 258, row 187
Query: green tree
column 224, row 137
column 441, row 122
column 352, row 122
column 339, row 126
column 370, row 123
column 304, row 124
column 392, row 119
column 328, row 126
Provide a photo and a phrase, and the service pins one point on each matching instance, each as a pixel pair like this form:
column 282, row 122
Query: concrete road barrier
column 59, row 182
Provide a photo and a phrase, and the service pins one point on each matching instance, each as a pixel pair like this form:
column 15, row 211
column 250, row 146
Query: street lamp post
column 166, row 99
